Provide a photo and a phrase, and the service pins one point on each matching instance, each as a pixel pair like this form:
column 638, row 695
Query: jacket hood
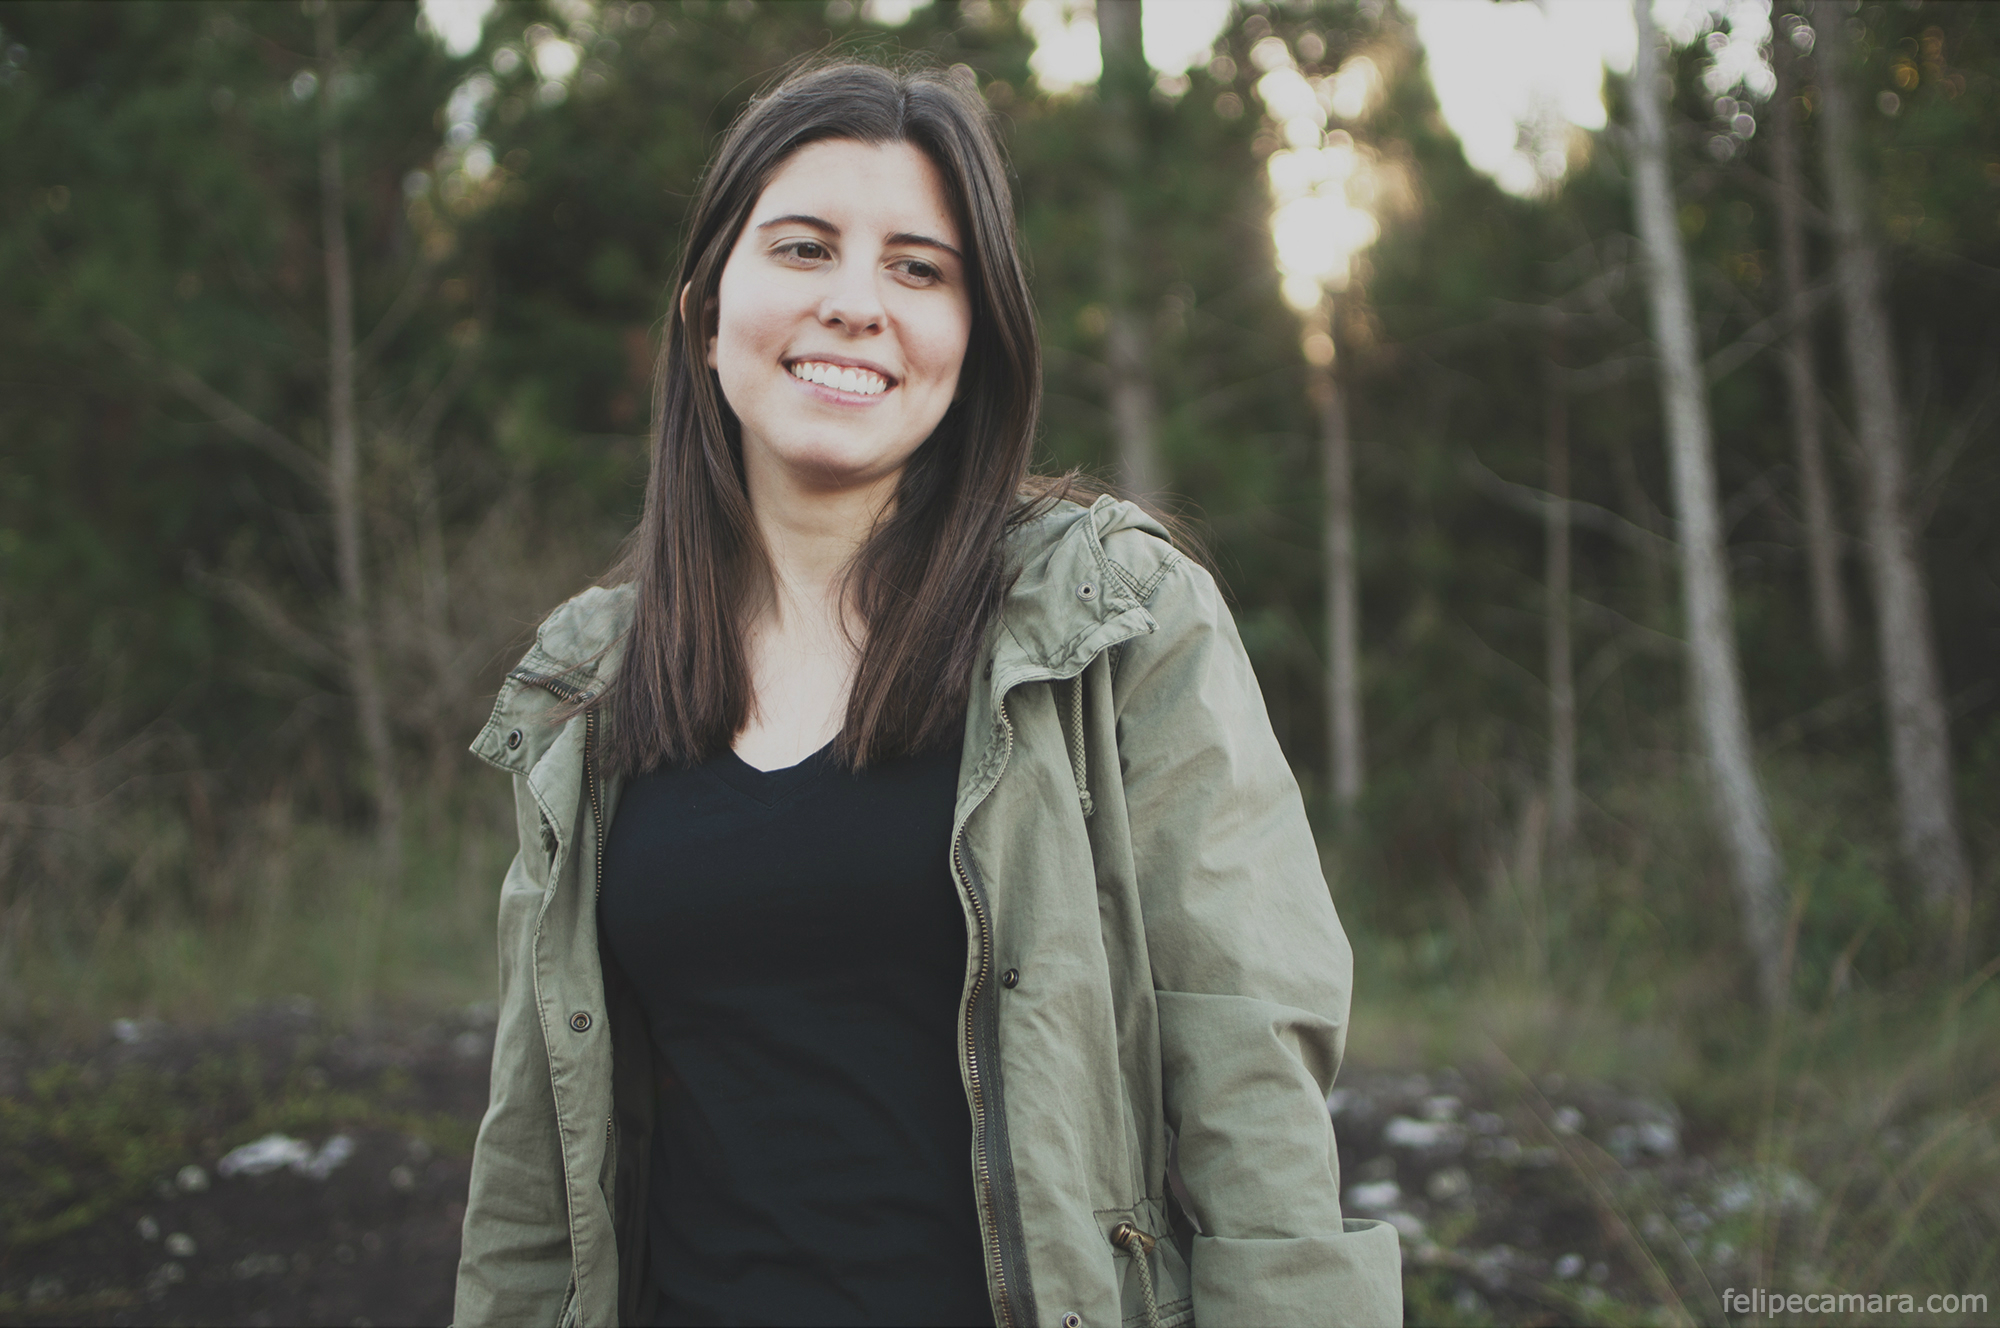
column 1085, row 574
column 1069, row 592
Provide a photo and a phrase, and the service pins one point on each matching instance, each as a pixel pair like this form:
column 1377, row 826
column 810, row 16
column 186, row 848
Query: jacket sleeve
column 1252, row 974
column 514, row 1264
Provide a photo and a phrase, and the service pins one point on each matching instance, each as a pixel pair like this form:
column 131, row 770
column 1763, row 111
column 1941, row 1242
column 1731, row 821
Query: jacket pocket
column 571, row 1311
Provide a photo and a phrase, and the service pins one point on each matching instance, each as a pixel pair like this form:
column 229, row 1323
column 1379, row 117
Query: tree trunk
column 1343, row 614
column 1121, row 91
column 1919, row 741
column 1717, row 684
column 439, row 646
column 1829, row 603
column 1556, row 583
column 344, row 464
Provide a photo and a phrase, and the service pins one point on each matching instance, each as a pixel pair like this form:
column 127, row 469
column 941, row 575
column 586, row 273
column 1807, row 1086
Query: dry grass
column 288, row 907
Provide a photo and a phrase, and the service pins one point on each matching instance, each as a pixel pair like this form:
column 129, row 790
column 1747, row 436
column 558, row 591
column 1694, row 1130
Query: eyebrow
column 817, row 223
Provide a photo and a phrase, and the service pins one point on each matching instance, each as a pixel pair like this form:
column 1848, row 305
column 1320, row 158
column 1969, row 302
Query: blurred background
column 1595, row 430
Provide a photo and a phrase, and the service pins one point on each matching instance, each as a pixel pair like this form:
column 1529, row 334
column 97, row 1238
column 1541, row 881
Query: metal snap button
column 513, row 740
column 580, row 1021
column 1072, row 1320
column 1087, row 591
column 1010, row 977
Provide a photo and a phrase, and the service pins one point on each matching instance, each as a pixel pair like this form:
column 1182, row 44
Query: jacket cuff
column 1355, row 1278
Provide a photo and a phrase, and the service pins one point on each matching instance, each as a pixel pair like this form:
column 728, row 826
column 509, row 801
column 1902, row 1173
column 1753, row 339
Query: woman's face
column 842, row 316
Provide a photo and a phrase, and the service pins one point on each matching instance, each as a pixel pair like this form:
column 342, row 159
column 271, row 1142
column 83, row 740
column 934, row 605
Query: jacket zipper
column 982, row 1161
column 570, row 695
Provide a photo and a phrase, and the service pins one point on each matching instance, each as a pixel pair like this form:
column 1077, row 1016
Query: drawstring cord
column 1077, row 763
column 1139, row 1245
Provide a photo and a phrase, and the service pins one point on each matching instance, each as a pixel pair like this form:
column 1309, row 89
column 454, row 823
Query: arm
column 1252, row 973
column 514, row 1266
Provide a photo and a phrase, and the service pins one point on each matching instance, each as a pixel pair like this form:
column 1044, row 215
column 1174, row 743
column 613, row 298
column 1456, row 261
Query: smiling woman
column 907, row 864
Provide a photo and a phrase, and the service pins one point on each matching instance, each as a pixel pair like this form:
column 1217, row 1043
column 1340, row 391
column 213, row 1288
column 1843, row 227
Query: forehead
column 864, row 186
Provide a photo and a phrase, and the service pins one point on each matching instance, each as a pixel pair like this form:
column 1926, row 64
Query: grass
column 295, row 908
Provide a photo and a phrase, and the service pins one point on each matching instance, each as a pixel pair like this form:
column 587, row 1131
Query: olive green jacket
column 1152, row 956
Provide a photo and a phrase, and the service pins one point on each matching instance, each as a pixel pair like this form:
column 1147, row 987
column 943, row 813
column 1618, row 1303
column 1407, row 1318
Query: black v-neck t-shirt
column 797, row 941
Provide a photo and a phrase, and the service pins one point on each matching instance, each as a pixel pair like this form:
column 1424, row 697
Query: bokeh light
column 1522, row 85
column 1321, row 181
column 457, row 24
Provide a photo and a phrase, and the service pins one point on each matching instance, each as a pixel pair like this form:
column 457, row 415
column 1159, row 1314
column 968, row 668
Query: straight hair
column 929, row 578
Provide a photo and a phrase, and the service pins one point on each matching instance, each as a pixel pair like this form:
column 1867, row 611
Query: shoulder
column 584, row 630
column 1149, row 564
column 1122, row 538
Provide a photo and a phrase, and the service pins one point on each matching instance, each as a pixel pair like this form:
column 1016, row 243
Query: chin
column 839, row 468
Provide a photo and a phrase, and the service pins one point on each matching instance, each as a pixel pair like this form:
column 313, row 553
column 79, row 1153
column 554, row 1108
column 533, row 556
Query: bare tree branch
column 1930, row 482
column 1742, row 350
column 1605, row 373
column 1536, row 503
column 1960, row 264
column 423, row 422
column 398, row 312
column 267, row 613
column 1750, row 497
column 1809, row 212
column 220, row 408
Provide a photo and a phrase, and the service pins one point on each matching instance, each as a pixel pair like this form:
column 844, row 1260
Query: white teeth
column 862, row 382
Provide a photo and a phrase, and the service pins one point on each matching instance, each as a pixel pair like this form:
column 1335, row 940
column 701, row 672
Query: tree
column 1714, row 674
column 357, row 635
column 1829, row 602
column 1919, row 742
column 282, row 166
column 1343, row 610
column 1122, row 97
column 1556, row 589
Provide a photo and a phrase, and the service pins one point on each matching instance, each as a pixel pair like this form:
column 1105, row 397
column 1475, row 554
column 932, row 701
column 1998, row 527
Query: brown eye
column 811, row 251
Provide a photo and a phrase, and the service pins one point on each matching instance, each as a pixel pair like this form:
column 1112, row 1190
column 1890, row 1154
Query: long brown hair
column 929, row 578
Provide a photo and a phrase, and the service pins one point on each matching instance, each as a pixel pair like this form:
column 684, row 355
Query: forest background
column 325, row 358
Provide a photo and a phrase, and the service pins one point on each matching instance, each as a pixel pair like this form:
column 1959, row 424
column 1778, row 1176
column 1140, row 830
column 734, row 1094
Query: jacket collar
column 1069, row 602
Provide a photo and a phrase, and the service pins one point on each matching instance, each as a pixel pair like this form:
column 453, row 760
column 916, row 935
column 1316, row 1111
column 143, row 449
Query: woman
column 906, row 862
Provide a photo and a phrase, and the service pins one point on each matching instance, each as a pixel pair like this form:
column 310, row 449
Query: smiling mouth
column 840, row 377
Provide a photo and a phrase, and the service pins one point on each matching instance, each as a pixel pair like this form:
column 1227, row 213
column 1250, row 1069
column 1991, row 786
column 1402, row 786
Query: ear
column 687, row 318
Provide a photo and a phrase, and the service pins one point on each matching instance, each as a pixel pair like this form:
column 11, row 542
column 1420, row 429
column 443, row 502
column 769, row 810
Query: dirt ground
column 1519, row 1202
column 374, row 1242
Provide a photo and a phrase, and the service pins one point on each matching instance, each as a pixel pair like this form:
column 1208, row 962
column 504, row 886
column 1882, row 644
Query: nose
column 853, row 305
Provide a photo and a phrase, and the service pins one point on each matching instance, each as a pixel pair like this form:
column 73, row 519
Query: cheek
column 943, row 342
column 751, row 321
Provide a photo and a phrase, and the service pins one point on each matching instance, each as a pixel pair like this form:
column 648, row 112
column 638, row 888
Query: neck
column 811, row 535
